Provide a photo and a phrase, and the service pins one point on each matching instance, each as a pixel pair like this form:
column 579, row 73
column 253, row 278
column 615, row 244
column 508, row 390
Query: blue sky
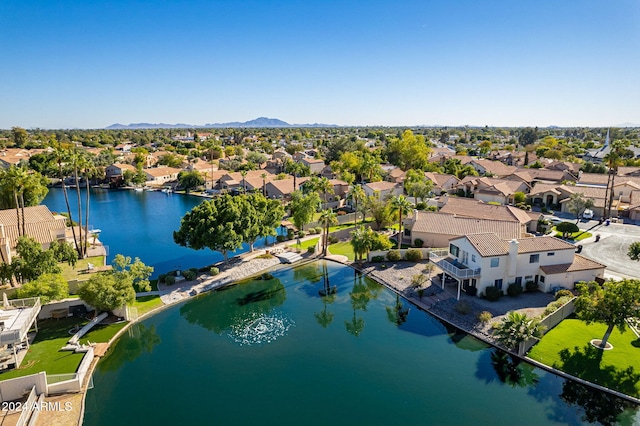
column 88, row 64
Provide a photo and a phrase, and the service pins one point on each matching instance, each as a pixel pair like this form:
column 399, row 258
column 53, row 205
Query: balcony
column 451, row 266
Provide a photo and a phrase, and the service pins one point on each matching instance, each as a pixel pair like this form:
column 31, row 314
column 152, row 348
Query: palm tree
column 77, row 162
column 362, row 239
column 61, row 156
column 244, row 174
column 88, row 170
column 356, row 194
column 400, row 204
column 327, row 218
column 264, row 185
column 515, row 328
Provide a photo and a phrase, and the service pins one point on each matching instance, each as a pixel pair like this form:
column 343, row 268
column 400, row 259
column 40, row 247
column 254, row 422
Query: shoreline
column 186, row 293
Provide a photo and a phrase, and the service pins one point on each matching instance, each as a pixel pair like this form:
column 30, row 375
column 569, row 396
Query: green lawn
column 146, row 304
column 343, row 248
column 576, row 236
column 45, row 354
column 69, row 273
column 305, row 244
column 567, row 348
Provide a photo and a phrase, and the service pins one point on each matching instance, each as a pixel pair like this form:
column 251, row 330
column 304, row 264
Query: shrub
column 413, row 255
column 472, row 291
column 563, row 293
column 393, row 256
column 189, row 275
column 301, row 234
column 463, row 307
column 377, row 259
column 161, row 278
column 312, row 231
column 311, row 249
column 514, row 289
column 531, row 286
column 492, row 293
column 280, row 238
column 421, row 205
column 170, row 280
column 194, row 270
column 484, row 317
column 214, row 271
column 332, row 239
column 418, row 242
column 290, row 234
column 318, row 229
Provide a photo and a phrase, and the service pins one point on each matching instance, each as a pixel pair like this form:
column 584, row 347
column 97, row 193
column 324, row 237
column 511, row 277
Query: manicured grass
column 576, row 236
column 69, row 273
column 45, row 354
column 343, row 248
column 306, row 244
column 102, row 333
column 567, row 348
column 146, row 304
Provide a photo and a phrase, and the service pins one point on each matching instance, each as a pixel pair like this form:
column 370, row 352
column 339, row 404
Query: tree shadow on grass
column 586, row 362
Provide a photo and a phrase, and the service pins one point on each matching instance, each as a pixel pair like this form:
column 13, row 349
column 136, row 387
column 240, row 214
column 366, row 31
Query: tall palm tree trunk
column 15, row 197
column 400, row 230
column 86, row 216
column 75, row 175
column 24, row 226
column 66, row 200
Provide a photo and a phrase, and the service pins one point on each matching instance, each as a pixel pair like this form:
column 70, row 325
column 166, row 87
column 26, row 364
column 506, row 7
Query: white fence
column 13, row 389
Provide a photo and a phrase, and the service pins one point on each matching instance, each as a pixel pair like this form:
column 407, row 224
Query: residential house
column 15, row 156
column 442, row 183
column 315, row 164
column 533, row 176
column 490, row 189
column 158, row 176
column 115, row 172
column 485, row 260
column 396, row 175
column 382, row 189
column 435, row 229
column 283, row 188
column 40, row 224
column 493, row 168
column 469, row 207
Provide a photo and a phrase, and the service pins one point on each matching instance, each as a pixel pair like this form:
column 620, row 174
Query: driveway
column 612, row 248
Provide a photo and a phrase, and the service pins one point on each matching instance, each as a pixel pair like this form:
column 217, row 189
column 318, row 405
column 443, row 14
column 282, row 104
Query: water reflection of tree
column 597, row 406
column 397, row 314
column 222, row 309
column 328, row 294
column 137, row 340
column 361, row 294
column 509, row 370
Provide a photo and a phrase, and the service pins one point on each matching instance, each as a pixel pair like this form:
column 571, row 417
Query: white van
column 587, row 214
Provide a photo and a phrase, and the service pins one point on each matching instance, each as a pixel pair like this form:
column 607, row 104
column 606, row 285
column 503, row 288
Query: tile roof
column 381, row 186
column 490, row 244
column 161, row 171
column 580, row 263
column 449, row 224
column 440, row 178
column 40, row 224
column 495, row 167
column 469, row 207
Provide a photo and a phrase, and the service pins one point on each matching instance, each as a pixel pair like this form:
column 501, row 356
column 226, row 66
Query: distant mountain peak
column 258, row 122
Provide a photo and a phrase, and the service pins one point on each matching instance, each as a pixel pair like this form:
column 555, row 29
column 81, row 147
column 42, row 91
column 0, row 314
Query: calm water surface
column 276, row 352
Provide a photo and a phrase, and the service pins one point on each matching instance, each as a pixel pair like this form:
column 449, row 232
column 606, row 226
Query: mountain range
column 258, row 122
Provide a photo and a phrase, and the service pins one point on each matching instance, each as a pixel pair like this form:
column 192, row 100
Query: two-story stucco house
column 484, row 260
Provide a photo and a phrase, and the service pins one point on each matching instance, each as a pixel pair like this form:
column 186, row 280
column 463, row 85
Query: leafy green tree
column 170, row 160
column 20, row 188
column 33, row 261
column 519, row 197
column 303, row 207
column 577, row 204
column 215, row 224
column 567, row 228
column 190, row 180
column 260, row 217
column 48, row 287
column 408, row 151
column 19, row 136
column 517, row 327
column 64, row 252
column 417, row 185
column 610, row 304
column 402, row 206
column 319, row 185
column 106, row 292
column 380, row 211
column 365, row 239
column 137, row 272
column 634, row 251
column 357, row 195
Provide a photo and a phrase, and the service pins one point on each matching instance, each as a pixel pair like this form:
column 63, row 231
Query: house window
column 498, row 284
column 551, row 253
column 519, row 280
column 454, row 250
column 473, row 258
column 542, row 279
column 495, row 262
column 534, row 258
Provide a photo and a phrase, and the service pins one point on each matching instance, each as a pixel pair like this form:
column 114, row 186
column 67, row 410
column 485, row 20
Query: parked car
column 587, row 214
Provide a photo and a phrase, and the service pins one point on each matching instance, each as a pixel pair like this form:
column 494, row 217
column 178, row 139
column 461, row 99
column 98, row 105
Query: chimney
column 513, row 258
